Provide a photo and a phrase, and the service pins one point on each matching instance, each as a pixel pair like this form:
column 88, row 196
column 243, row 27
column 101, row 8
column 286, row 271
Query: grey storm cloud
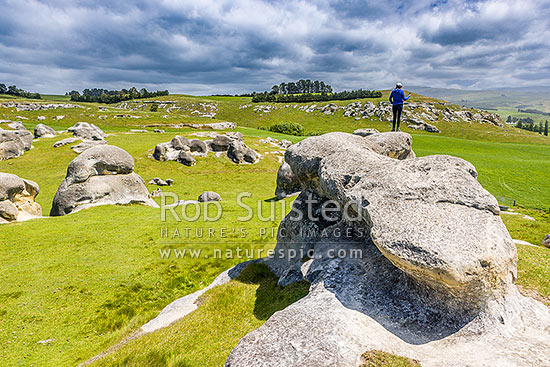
column 223, row 46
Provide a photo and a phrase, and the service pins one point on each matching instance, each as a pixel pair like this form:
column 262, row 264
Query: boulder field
column 413, row 259
column 183, row 150
column 101, row 175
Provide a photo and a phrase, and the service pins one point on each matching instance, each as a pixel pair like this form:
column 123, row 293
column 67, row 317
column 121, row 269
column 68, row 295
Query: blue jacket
column 397, row 96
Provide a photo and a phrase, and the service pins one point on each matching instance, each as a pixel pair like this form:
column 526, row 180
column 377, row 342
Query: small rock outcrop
column 411, row 258
column 65, row 141
column 44, row 131
column 102, row 175
column 85, row 130
column 160, row 182
column 546, row 241
column 183, row 150
column 209, row 196
column 17, row 199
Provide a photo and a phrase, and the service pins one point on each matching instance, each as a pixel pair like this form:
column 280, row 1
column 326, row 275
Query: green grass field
column 89, row 279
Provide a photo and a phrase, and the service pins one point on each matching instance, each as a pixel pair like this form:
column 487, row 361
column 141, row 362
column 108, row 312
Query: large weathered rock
column 15, row 140
column 44, row 131
column 17, row 198
column 101, row 175
column 26, row 137
column 414, row 260
column 85, row 130
column 305, row 165
column 11, row 145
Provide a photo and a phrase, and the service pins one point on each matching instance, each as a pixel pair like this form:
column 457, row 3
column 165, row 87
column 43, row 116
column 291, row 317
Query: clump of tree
column 535, row 111
column 309, row 91
column 12, row 90
column 290, row 128
column 301, row 86
column 113, row 96
column 527, row 123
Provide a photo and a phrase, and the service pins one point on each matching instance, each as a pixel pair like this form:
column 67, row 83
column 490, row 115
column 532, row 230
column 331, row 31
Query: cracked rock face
column 101, row 175
column 414, row 260
column 17, row 197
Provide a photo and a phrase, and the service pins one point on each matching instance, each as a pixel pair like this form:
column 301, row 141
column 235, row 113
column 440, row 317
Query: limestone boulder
column 403, row 254
column 186, row 158
column 198, row 146
column 221, row 143
column 240, row 153
column 17, row 198
column 11, row 145
column 209, row 196
column 15, row 140
column 44, row 131
column 85, row 130
column 102, row 175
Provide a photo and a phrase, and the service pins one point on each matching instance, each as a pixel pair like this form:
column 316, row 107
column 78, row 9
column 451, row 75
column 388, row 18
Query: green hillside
column 76, row 285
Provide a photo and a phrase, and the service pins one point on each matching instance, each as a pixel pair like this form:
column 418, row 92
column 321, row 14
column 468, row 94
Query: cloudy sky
column 234, row 46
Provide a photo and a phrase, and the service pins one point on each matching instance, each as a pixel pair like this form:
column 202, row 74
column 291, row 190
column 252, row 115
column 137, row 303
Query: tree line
column 113, row 96
column 527, row 123
column 12, row 90
column 535, row 111
column 302, row 86
column 314, row 97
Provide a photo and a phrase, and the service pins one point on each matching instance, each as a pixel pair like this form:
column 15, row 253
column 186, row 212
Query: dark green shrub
column 290, row 128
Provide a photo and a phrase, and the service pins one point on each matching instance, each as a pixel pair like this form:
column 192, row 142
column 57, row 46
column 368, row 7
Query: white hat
column 399, row 85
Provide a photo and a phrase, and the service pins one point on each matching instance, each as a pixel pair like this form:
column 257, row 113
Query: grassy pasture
column 87, row 280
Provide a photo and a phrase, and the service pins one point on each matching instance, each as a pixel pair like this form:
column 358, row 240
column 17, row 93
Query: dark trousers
column 397, row 109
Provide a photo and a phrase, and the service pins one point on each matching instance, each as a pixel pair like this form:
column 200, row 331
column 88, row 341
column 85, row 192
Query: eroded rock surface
column 414, row 260
column 101, row 175
column 17, row 198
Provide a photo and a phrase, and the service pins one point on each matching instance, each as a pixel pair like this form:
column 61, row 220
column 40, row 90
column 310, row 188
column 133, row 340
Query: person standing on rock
column 397, row 97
